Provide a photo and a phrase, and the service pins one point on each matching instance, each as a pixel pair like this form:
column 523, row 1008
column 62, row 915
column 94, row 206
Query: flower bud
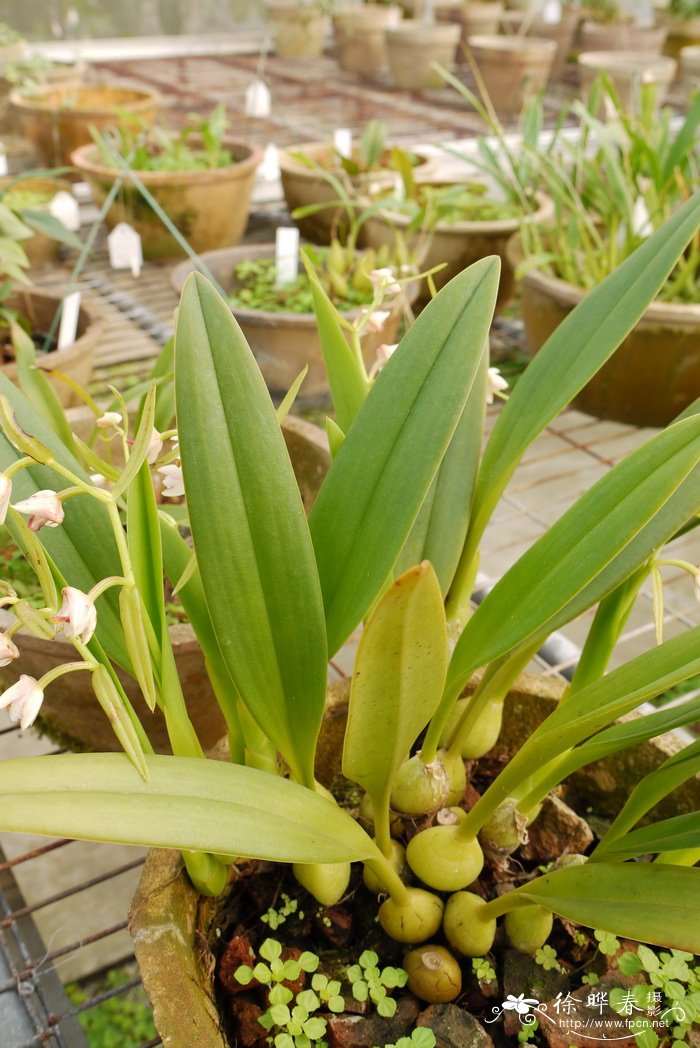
column 42, row 508
column 5, row 495
column 78, row 613
column 8, row 650
column 24, row 699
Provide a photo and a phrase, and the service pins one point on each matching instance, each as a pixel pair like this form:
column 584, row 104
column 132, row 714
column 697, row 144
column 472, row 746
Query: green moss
column 122, row 1021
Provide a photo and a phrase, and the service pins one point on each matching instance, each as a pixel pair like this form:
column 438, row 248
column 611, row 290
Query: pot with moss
column 279, row 323
column 31, row 73
column 202, row 180
column 359, row 37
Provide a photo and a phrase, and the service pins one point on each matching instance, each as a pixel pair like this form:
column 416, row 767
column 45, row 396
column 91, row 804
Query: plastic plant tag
column 270, row 167
column 82, row 191
column 286, row 255
column 69, row 320
column 125, row 250
column 3, row 164
column 551, row 12
column 342, row 142
column 258, row 101
column 64, row 207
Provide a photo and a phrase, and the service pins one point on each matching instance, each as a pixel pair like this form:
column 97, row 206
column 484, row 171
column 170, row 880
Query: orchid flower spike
column 24, row 699
column 155, row 446
column 110, row 419
column 8, row 650
column 78, row 613
column 5, row 494
column 43, row 507
column 495, row 383
column 385, row 280
column 173, row 481
column 377, row 319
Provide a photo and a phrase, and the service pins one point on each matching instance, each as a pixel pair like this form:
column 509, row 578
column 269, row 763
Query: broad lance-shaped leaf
column 381, row 475
column 188, row 803
column 250, row 533
column 575, row 352
column 648, row 902
column 677, row 834
column 397, row 681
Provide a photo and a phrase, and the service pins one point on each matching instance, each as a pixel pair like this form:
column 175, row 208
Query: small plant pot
column 651, row 377
column 681, row 32
column 562, row 32
column 299, row 30
column 690, row 67
column 282, row 343
column 413, row 46
column 64, row 75
column 359, row 37
column 75, row 361
column 513, row 68
column 210, row 208
column 20, row 154
column 620, row 36
column 477, row 17
column 58, row 120
column 40, row 248
column 628, row 70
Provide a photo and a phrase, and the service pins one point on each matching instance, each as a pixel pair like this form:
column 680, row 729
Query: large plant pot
column 512, row 68
column 75, row 361
column 299, row 30
column 58, row 120
column 413, row 47
column 210, row 208
column 651, row 377
column 628, row 70
column 70, row 712
column 359, row 37
column 690, row 67
column 174, row 929
column 477, row 17
column 303, row 186
column 19, row 154
column 681, row 32
column 40, row 248
column 620, row 36
column 562, row 32
column 283, row 343
column 457, row 244
column 68, row 75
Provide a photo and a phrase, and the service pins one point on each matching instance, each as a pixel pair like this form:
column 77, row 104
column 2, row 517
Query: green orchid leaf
column 291, row 395
column 250, row 533
column 143, row 540
column 574, row 353
column 394, row 448
column 648, row 902
column 37, row 388
column 397, row 681
column 188, row 803
column 677, row 834
column 139, row 449
column 44, row 222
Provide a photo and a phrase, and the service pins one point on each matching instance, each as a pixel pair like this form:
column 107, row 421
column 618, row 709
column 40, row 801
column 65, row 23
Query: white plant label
column 286, row 255
column 125, row 251
column 65, row 208
column 270, row 167
column 258, row 101
column 3, row 164
column 68, row 328
column 551, row 12
column 342, row 142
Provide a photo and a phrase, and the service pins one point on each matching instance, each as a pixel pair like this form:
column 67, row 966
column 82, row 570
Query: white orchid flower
column 8, row 650
column 110, row 420
column 377, row 319
column 383, row 353
column 42, row 508
column 78, row 613
column 155, row 446
column 385, row 280
column 173, row 481
column 24, row 699
column 5, row 494
column 495, row 383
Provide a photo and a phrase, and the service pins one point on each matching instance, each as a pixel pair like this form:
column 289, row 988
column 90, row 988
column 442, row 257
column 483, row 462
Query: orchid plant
column 392, row 541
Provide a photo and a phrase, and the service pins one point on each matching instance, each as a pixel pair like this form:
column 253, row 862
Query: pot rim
column 627, row 61
column 82, row 159
column 511, row 45
column 495, row 226
column 358, row 11
column 290, row 165
column 92, row 323
column 411, row 27
column 45, row 100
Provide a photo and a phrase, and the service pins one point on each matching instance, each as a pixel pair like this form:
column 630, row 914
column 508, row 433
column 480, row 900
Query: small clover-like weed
column 277, row 916
column 329, row 992
column 546, row 957
column 527, row 1033
column 483, row 969
column 670, row 993
column 422, row 1037
column 608, row 943
column 369, row 982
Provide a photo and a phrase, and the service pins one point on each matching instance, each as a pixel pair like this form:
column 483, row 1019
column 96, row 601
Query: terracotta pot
column 690, row 67
column 513, row 68
column 478, row 17
column 628, row 70
column 303, row 185
column 40, row 248
column 64, row 75
column 651, row 377
column 456, row 243
column 681, row 32
column 359, row 37
column 210, row 208
column 70, row 713
column 620, row 36
column 175, row 930
column 299, row 29
column 58, row 120
column 413, row 46
column 75, row 360
column 282, row 343
column 562, row 32
column 20, row 154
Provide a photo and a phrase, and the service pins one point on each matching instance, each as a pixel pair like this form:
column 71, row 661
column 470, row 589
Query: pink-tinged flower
column 43, row 507
column 155, row 446
column 495, row 383
column 173, row 481
column 78, row 613
column 383, row 353
column 385, row 280
column 110, row 419
column 5, row 493
column 8, row 650
column 24, row 699
column 377, row 320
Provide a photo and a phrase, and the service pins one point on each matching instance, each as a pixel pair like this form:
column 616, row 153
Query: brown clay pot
column 40, row 248
column 513, row 68
column 174, row 929
column 628, row 70
column 70, row 713
column 681, row 32
column 210, row 208
column 620, row 36
column 75, row 361
column 651, row 377
column 299, row 29
column 456, row 243
column 282, row 343
column 477, row 17
column 58, row 120
column 562, row 32
column 690, row 66
column 412, row 48
column 302, row 186
column 20, row 154
column 359, row 37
